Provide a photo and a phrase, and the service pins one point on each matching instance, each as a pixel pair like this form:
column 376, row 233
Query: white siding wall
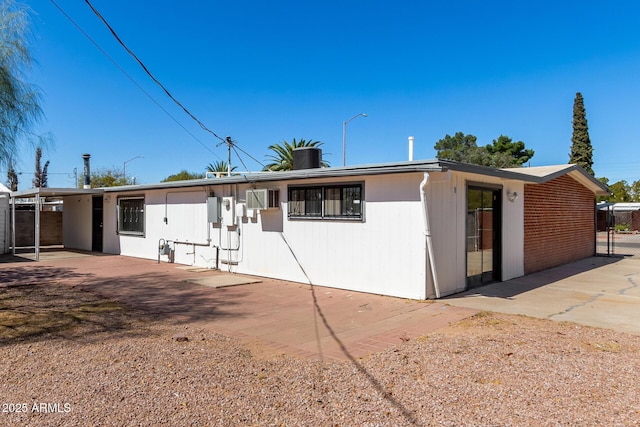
column 186, row 221
column 446, row 202
column 5, row 215
column 512, row 231
column 384, row 254
column 76, row 213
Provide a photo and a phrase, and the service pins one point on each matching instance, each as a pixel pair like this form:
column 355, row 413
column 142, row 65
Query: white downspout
column 427, row 233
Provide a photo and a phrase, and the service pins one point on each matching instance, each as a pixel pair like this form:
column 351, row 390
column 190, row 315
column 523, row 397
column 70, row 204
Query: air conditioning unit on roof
column 262, row 198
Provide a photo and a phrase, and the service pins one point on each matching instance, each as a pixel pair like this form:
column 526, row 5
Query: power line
column 146, row 70
column 234, row 144
column 131, row 78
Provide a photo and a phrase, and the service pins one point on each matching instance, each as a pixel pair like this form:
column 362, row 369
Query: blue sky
column 264, row 72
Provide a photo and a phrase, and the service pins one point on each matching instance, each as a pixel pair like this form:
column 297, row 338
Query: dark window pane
column 131, row 216
column 332, row 201
column 313, row 201
column 351, row 201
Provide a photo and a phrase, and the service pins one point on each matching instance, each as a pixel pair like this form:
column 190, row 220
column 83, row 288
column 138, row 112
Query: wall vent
column 260, row 199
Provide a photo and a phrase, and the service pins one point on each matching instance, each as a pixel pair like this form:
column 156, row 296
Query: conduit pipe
column 427, row 233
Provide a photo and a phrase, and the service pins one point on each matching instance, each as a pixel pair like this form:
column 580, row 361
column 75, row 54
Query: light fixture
column 512, row 196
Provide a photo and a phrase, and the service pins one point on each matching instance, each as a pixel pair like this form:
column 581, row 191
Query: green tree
column 502, row 153
column 282, row 159
column 183, row 175
column 40, row 178
column 19, row 101
column 635, row 191
column 581, row 149
column 12, row 177
column 517, row 154
column 621, row 192
column 459, row 147
column 105, row 178
column 220, row 167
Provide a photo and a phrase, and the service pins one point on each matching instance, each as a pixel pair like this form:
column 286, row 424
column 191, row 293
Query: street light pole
column 344, row 137
column 124, row 166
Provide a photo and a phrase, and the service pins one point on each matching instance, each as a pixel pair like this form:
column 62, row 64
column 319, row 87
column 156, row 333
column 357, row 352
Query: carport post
column 13, row 226
column 37, row 232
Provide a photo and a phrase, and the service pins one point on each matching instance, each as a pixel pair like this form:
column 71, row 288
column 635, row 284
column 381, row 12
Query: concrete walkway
column 598, row 291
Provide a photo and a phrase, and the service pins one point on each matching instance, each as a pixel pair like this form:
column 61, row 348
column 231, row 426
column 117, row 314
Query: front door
column 483, row 235
column 97, row 218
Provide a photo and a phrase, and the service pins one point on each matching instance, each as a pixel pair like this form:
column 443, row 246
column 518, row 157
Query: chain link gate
column 618, row 229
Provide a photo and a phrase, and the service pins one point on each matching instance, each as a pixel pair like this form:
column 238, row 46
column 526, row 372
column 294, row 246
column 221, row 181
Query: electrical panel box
column 260, row 199
column 214, row 213
column 241, row 210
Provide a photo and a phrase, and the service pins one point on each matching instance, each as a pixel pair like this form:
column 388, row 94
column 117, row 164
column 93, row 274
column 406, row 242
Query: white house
column 417, row 229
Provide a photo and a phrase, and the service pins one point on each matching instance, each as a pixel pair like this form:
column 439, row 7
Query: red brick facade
column 559, row 223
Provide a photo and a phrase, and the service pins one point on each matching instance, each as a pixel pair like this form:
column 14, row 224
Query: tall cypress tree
column 581, row 149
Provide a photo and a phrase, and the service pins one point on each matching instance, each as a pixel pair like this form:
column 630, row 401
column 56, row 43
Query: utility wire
column 146, row 70
column 131, row 78
column 235, row 146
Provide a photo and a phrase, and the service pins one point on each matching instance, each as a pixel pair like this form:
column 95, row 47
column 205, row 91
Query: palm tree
column 282, row 160
column 220, row 167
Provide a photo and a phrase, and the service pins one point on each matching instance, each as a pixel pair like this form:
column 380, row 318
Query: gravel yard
column 73, row 358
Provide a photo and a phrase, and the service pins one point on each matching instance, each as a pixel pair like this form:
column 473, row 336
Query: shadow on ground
column 520, row 285
column 35, row 312
column 43, row 302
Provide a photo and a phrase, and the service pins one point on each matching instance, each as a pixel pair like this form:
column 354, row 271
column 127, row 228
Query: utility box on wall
column 228, row 211
column 214, row 211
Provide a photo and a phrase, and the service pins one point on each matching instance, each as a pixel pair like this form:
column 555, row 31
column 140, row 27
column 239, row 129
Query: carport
column 36, row 196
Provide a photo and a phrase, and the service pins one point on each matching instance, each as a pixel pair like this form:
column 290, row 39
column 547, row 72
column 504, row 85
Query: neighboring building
column 418, row 229
column 623, row 215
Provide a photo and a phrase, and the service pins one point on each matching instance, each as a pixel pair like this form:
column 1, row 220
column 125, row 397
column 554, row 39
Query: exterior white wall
column 5, row 215
column 383, row 254
column 76, row 213
column 512, row 230
column 186, row 222
column 446, row 202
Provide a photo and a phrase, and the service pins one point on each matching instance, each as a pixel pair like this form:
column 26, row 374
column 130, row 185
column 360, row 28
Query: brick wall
column 559, row 223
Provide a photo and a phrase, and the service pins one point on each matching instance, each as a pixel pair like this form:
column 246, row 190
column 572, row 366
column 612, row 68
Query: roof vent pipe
column 87, row 171
column 411, row 148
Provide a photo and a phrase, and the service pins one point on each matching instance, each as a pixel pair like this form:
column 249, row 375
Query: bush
column 622, row 227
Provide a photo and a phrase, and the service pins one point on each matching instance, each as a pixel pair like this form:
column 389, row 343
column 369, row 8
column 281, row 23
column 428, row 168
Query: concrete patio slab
column 599, row 291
